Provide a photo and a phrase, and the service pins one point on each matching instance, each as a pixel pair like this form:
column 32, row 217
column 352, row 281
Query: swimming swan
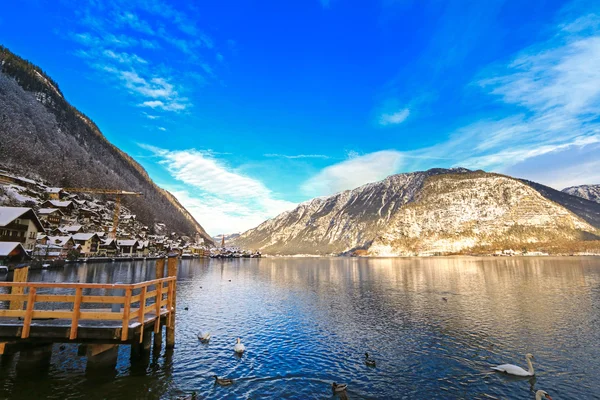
column 239, row 347
column 540, row 394
column 204, row 337
column 517, row 371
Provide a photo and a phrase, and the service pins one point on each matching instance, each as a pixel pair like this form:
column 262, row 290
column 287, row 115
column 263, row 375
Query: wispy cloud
column 111, row 27
column 394, row 118
column 296, row 156
column 353, row 172
column 219, row 196
column 161, row 128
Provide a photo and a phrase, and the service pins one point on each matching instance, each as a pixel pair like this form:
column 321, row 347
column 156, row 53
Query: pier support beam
column 172, row 271
column 35, row 357
column 160, row 273
column 102, row 356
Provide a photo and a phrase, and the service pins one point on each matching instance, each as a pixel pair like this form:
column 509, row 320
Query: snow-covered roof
column 84, row 236
column 46, row 211
column 9, row 214
column 53, row 190
column 108, row 242
column 59, row 203
column 70, row 228
column 60, row 240
column 126, row 242
column 7, row 247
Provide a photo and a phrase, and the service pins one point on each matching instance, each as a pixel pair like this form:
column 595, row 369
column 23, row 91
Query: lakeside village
column 48, row 226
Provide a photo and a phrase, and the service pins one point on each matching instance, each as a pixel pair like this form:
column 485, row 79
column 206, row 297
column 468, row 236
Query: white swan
column 517, row 371
column 204, row 337
column 540, row 394
column 239, row 347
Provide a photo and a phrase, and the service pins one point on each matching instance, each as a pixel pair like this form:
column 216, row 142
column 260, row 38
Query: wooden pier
column 100, row 317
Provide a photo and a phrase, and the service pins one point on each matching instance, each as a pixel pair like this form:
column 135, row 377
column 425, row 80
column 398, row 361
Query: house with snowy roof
column 66, row 206
column 19, row 224
column 12, row 253
column 51, row 217
column 128, row 247
column 89, row 242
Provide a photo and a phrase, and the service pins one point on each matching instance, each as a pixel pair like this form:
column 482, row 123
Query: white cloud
column 354, row 172
column 394, row 118
column 222, row 199
column 169, row 106
column 161, row 128
column 124, row 58
column 296, row 156
column 551, row 92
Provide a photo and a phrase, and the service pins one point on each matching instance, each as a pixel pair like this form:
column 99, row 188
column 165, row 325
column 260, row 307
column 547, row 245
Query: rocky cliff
column 433, row 212
column 588, row 192
column 43, row 136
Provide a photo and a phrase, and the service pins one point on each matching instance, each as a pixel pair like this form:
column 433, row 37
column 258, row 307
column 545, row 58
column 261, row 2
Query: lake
column 307, row 322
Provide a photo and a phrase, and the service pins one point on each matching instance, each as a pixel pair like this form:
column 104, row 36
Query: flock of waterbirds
column 340, row 388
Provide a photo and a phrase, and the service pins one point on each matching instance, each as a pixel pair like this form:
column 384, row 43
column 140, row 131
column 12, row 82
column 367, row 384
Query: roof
column 126, row 242
column 84, row 236
column 45, row 211
column 7, row 247
column 53, row 190
column 61, row 240
column 9, row 214
column 70, row 228
column 109, row 242
column 59, row 203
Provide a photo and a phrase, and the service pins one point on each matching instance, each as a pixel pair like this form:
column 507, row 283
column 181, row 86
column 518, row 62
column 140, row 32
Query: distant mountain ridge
column 439, row 211
column 588, row 192
column 43, row 135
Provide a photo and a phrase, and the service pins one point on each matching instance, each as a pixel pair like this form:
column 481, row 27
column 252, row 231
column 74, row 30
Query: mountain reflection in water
column 307, row 322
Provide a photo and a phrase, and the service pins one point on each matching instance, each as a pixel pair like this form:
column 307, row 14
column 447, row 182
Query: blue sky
column 243, row 109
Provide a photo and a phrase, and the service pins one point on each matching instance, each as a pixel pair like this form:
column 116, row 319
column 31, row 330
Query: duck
column 338, row 387
column 540, row 394
column 239, row 347
column 515, row 370
column 223, row 381
column 369, row 361
column 204, row 337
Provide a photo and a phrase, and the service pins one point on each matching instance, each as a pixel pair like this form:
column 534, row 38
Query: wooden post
column 126, row 311
column 20, row 275
column 172, row 271
column 28, row 313
column 76, row 311
column 160, row 273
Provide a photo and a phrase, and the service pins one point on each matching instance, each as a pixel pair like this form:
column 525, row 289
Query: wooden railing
column 153, row 297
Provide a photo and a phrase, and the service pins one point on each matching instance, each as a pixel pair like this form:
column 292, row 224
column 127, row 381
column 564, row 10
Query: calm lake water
column 307, row 322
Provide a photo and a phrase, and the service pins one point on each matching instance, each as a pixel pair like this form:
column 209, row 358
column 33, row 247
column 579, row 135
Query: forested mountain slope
column 42, row 135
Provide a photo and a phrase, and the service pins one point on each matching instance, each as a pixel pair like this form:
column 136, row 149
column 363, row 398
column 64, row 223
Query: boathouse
column 12, row 253
column 128, row 247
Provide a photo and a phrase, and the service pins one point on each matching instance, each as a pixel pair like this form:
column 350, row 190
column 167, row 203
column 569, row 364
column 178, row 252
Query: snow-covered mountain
column 588, row 192
column 438, row 211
